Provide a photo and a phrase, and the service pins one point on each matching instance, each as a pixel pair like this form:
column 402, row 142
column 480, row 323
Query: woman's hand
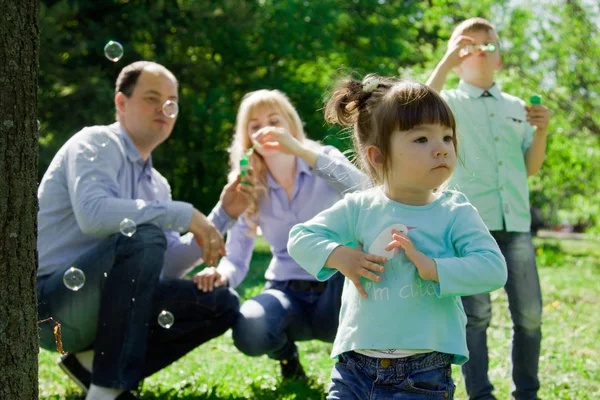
column 237, row 195
column 275, row 138
column 425, row 265
column 208, row 279
column 354, row 264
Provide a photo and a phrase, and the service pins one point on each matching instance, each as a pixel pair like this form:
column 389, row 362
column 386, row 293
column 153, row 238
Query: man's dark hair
column 129, row 75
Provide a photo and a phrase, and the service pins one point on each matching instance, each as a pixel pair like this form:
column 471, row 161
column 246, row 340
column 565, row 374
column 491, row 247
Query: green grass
column 569, row 366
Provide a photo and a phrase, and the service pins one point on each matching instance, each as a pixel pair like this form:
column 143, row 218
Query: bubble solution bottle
column 535, row 99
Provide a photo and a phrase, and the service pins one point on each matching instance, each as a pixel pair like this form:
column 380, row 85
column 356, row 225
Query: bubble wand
column 490, row 48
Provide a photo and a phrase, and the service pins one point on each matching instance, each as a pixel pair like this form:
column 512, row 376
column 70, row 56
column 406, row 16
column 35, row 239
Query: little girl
column 402, row 323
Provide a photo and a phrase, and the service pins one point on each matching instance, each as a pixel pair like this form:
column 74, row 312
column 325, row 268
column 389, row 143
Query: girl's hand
column 208, row 279
column 457, row 53
column 274, row 138
column 354, row 264
column 425, row 265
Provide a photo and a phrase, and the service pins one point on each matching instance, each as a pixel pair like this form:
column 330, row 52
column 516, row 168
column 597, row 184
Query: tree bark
column 19, row 342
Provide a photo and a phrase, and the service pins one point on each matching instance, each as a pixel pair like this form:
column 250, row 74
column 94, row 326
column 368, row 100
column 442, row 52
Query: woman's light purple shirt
column 315, row 189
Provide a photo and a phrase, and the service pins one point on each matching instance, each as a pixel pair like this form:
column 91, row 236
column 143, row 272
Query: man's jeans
column 421, row 376
column 115, row 312
column 525, row 305
column 271, row 322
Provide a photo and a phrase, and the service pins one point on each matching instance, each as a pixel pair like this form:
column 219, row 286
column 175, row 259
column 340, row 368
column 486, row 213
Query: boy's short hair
column 473, row 25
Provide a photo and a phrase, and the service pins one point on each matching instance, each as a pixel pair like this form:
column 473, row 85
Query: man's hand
column 539, row 116
column 236, row 196
column 208, row 237
column 425, row 265
column 208, row 279
column 354, row 264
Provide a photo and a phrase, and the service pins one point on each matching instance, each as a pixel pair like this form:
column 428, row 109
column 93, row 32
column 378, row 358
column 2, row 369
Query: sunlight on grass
column 569, row 366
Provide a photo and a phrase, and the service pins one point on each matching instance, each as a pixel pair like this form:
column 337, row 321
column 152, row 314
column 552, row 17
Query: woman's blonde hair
column 389, row 105
column 251, row 103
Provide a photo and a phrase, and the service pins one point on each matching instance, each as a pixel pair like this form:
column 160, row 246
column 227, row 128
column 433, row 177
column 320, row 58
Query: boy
column 502, row 142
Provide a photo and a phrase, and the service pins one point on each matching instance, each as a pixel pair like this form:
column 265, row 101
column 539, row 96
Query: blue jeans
column 271, row 322
column 115, row 312
column 421, row 376
column 525, row 305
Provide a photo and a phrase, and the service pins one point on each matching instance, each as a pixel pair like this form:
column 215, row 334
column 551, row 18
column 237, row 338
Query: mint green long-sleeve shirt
column 404, row 311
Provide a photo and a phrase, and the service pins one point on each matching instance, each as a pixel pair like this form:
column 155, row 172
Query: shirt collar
column 301, row 168
column 130, row 150
column 476, row 92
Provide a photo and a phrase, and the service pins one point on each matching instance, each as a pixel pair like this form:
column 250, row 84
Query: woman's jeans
column 288, row 311
column 420, row 376
column 525, row 305
column 116, row 312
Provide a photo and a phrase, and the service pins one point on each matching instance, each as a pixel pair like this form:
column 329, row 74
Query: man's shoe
column 292, row 369
column 72, row 367
column 126, row 395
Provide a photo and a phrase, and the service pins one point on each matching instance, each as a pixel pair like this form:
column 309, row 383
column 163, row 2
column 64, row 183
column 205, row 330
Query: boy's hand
column 425, row 265
column 354, row 264
column 539, row 116
column 455, row 56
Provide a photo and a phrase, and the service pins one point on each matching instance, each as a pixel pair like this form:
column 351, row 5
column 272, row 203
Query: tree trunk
column 19, row 46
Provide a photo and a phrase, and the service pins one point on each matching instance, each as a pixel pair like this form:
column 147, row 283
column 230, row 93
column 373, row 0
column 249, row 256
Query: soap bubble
column 113, row 51
column 89, row 151
column 127, row 227
column 101, row 139
column 170, row 109
column 74, row 279
column 166, row 319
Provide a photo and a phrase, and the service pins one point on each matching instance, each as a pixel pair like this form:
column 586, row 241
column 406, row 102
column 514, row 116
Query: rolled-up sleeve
column 98, row 204
column 239, row 247
column 339, row 172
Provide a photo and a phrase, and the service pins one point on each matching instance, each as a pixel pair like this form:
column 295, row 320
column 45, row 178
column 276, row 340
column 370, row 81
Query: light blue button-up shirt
column 314, row 190
column 494, row 137
column 95, row 181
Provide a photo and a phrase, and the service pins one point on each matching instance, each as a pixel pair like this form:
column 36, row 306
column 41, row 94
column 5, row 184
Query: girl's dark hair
column 377, row 106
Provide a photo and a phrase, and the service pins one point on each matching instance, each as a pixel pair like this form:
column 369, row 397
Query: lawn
column 569, row 367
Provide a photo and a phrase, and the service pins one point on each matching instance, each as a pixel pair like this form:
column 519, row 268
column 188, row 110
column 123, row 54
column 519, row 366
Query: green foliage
column 222, row 49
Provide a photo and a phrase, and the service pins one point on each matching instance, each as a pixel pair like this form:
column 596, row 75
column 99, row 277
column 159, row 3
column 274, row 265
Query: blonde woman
column 296, row 178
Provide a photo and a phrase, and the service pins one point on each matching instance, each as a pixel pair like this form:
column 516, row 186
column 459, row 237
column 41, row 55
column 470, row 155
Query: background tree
column 221, row 49
column 19, row 47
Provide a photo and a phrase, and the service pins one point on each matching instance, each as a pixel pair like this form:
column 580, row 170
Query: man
column 107, row 215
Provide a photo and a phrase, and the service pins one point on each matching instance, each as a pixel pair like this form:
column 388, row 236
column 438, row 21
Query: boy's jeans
column 115, row 312
column 421, row 376
column 525, row 305
column 272, row 321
